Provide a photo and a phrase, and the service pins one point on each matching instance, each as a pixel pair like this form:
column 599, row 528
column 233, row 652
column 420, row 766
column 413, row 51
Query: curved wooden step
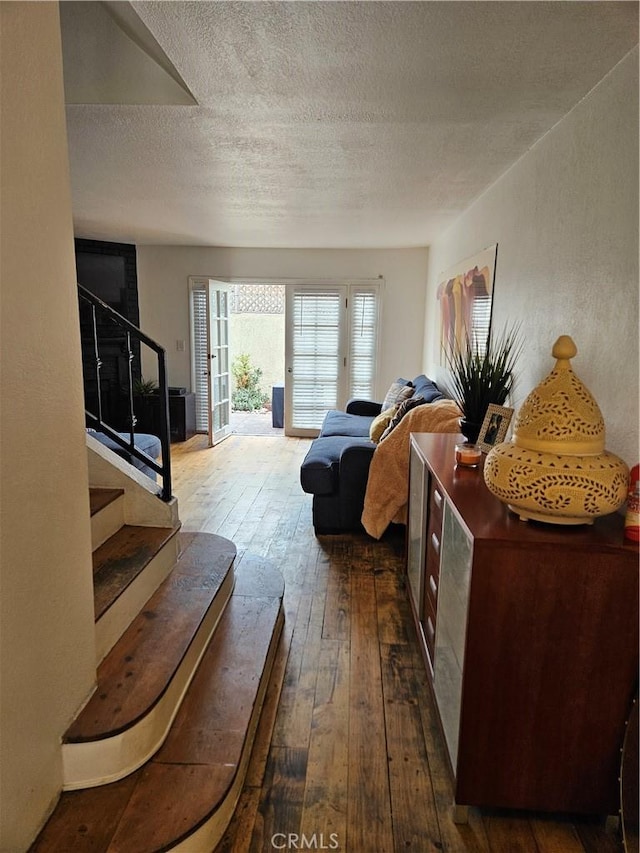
column 184, row 797
column 142, row 680
column 127, row 569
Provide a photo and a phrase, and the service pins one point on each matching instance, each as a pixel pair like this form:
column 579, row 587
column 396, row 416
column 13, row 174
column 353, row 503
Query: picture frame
column 494, row 426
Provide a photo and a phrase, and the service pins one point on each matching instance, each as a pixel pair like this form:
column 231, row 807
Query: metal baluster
column 97, row 360
column 132, row 415
column 164, row 425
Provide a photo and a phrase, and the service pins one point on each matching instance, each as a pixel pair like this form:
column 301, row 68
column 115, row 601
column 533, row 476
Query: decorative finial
column 564, row 349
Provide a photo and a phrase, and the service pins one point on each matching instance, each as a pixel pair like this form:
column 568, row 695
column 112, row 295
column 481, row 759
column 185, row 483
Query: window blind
column 316, row 355
column 363, row 336
column 200, row 361
column 480, row 323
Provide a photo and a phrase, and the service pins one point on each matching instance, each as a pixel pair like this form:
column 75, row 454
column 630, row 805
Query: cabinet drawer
column 431, row 589
column 432, row 560
column 436, row 502
column 429, row 630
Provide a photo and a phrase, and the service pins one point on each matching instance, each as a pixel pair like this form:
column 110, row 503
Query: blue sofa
column 149, row 444
column 336, row 467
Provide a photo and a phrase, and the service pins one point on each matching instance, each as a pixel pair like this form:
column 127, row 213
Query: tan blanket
column 388, row 484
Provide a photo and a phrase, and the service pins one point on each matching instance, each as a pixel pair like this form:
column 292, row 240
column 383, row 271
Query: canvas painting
column 465, row 296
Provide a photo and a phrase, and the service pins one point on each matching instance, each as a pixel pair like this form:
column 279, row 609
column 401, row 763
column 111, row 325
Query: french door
column 331, row 337
column 210, row 356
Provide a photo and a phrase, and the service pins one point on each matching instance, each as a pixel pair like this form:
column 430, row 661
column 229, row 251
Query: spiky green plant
column 478, row 378
column 142, row 387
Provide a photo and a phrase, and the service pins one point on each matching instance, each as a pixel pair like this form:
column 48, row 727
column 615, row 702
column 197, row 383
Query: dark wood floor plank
column 293, row 669
column 415, row 820
column 264, row 735
column 280, row 810
column 509, row 834
column 237, row 838
column 369, row 825
column 337, row 601
column 554, row 837
column 296, row 732
column 596, row 838
column 326, row 793
column 394, row 623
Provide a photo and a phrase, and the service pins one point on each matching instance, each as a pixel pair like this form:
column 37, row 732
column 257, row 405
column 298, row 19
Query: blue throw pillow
column 427, row 388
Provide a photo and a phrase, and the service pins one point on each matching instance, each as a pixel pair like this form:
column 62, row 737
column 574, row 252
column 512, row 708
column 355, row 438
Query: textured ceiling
column 322, row 124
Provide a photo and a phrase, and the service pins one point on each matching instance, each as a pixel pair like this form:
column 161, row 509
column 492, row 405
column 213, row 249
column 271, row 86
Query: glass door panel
column 219, row 399
column 456, row 552
column 210, row 357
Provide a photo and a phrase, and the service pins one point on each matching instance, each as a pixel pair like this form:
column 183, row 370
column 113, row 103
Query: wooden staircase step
column 184, row 797
column 122, row 558
column 107, row 514
column 100, row 498
column 141, row 681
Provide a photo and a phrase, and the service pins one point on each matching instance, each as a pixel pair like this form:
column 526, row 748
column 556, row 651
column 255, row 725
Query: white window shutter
column 363, row 339
column 317, row 356
column 199, row 355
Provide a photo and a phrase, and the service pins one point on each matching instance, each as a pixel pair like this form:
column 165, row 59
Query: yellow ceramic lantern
column 555, row 467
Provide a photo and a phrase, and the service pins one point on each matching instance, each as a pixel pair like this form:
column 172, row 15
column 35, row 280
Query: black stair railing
column 132, row 335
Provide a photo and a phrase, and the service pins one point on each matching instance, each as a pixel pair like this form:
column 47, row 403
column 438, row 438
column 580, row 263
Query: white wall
column 47, row 657
column 565, row 218
column 261, row 336
column 164, row 308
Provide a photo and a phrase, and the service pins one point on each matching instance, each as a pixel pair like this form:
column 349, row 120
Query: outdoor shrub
column 248, row 396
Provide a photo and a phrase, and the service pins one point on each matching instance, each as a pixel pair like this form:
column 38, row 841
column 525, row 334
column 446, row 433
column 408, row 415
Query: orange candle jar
column 468, row 454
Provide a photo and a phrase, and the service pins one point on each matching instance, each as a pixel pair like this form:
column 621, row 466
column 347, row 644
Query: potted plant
column 143, row 387
column 145, row 392
column 478, row 378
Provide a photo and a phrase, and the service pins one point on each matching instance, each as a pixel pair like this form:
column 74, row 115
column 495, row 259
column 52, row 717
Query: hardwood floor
column 348, row 755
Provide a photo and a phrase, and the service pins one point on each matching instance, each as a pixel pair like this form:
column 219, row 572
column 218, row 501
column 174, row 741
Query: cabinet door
column 451, row 626
column 416, row 528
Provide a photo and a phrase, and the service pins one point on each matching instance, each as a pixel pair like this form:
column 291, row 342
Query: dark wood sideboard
column 529, row 634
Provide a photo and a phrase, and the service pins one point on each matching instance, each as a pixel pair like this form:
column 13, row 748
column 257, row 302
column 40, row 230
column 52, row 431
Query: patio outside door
column 210, row 357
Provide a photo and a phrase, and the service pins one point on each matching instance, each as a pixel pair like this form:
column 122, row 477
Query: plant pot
column 470, row 430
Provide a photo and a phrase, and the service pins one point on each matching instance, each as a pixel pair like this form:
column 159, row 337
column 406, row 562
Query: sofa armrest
column 355, row 460
column 363, row 407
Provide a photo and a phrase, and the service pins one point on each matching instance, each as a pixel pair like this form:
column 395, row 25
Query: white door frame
column 217, row 367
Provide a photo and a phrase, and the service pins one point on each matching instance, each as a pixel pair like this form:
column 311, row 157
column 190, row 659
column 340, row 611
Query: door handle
column 289, row 370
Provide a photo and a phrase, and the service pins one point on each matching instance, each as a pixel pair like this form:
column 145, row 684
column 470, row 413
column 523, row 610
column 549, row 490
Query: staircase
column 185, row 638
